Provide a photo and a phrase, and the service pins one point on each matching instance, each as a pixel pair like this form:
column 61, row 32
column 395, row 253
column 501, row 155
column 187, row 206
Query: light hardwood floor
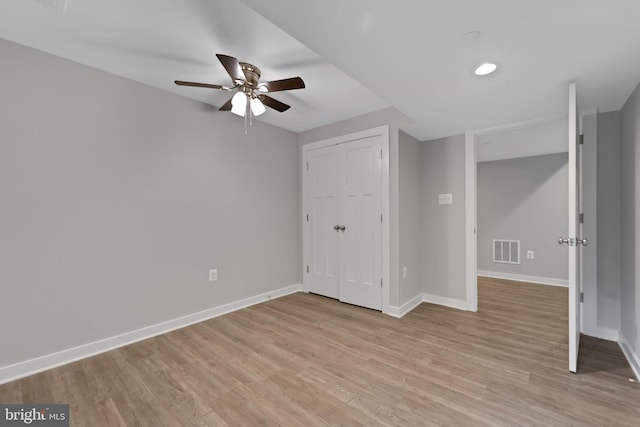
column 305, row 360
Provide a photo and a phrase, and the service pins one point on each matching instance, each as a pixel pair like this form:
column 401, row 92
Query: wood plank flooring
column 305, row 360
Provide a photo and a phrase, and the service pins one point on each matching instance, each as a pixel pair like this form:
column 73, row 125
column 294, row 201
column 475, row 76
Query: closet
column 343, row 215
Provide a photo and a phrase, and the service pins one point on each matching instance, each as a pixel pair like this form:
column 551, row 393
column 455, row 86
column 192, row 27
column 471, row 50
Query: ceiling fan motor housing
column 251, row 72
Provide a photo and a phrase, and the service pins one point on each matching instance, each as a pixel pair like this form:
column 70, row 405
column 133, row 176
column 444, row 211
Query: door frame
column 471, row 208
column 383, row 132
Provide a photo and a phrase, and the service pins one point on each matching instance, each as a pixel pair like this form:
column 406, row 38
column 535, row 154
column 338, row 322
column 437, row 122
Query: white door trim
column 383, row 132
column 471, row 208
column 471, row 237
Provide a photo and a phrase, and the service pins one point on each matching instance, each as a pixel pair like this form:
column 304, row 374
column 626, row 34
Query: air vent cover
column 506, row 251
column 59, row 5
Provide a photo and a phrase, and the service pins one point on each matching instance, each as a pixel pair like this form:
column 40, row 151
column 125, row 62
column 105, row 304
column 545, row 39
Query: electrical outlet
column 213, row 274
column 530, row 254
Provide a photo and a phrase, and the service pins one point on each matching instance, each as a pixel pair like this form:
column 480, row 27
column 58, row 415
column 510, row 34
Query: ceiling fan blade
column 284, row 84
column 227, row 105
column 273, row 103
column 181, row 83
column 232, row 66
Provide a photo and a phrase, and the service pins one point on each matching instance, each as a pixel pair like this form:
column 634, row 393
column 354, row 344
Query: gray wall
column 443, row 226
column 630, row 291
column 395, row 120
column 410, row 215
column 609, row 231
column 117, row 198
column 524, row 199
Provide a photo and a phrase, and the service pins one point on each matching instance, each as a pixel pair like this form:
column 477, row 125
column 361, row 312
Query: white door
column 361, row 222
column 344, row 252
column 574, row 240
column 322, row 218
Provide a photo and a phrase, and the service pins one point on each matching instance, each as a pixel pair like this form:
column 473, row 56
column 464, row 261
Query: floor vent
column 506, row 251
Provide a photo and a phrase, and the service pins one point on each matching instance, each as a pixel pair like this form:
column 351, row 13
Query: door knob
column 574, row 242
column 336, row 227
column 342, row 228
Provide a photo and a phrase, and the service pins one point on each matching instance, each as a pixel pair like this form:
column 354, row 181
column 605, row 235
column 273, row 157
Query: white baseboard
column 429, row 298
column 447, row 302
column 523, row 278
column 602, row 333
column 406, row 307
column 632, row 357
column 53, row 360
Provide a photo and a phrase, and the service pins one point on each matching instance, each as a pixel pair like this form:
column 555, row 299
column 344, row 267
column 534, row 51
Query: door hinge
column 581, row 218
column 307, row 166
column 380, row 218
column 307, row 217
column 381, row 154
column 581, row 296
column 580, row 139
column 307, row 268
column 380, row 282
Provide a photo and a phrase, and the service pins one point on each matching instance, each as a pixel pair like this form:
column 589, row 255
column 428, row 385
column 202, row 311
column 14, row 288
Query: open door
column 574, row 240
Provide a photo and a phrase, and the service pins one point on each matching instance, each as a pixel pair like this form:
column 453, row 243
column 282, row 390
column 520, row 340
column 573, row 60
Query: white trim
column 471, row 200
column 523, row 278
column 386, row 223
column 632, row 358
column 401, row 311
column 470, row 213
column 602, row 333
column 383, row 132
column 445, row 301
column 53, row 360
column 406, row 307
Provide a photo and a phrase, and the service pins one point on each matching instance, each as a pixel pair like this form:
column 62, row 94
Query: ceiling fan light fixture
column 257, row 107
column 486, row 68
column 239, row 104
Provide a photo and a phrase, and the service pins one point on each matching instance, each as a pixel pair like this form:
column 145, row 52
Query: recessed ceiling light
column 486, row 68
column 471, row 36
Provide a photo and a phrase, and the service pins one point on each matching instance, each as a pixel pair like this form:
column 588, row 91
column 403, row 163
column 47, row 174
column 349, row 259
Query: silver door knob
column 342, row 228
column 336, row 227
column 562, row 241
column 583, row 242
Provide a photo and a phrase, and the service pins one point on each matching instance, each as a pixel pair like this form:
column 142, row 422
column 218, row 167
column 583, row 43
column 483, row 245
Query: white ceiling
column 359, row 56
column 532, row 140
column 159, row 41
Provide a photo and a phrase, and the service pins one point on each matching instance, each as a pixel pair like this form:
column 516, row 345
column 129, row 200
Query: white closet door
column 322, row 189
column 344, row 248
column 360, row 220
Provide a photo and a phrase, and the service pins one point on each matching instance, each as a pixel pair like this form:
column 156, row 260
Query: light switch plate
column 445, row 199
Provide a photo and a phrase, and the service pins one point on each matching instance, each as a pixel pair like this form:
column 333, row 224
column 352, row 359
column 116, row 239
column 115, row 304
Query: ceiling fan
column 251, row 97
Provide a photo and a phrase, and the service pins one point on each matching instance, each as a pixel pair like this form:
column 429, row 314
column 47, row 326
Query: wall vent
column 59, row 5
column 506, row 251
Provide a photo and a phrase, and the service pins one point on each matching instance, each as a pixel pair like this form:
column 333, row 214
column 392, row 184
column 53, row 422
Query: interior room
column 521, row 194
column 295, row 213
